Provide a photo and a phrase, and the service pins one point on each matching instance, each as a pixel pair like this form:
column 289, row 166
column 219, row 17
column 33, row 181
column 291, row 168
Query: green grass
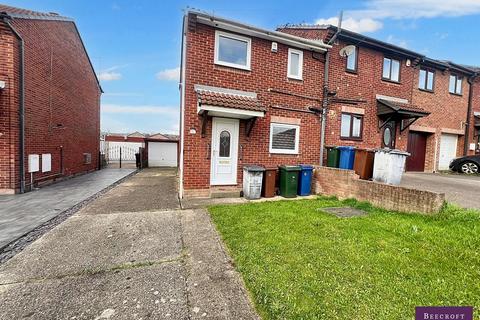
column 299, row 262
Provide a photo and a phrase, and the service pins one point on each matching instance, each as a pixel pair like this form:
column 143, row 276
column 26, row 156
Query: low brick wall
column 346, row 184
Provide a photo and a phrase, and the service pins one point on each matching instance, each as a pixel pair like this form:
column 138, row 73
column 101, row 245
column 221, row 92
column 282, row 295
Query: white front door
column 448, row 150
column 224, row 156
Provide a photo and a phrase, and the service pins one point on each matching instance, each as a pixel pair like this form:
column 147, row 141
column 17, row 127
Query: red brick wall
column 474, row 132
column 346, row 184
column 268, row 70
column 9, row 123
column 62, row 98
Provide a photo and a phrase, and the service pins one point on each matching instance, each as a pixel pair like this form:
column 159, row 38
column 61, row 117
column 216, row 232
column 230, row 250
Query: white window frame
column 300, row 64
column 219, row 34
column 288, row 126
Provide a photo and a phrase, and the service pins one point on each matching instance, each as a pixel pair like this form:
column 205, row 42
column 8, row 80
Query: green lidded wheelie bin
column 333, row 157
column 289, row 181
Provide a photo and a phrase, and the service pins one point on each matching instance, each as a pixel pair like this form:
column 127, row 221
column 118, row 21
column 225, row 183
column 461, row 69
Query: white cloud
column 169, row 74
column 109, row 76
column 140, row 109
column 398, row 42
column 355, row 25
column 368, row 19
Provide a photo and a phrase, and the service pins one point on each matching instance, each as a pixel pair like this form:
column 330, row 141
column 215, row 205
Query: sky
column 135, row 45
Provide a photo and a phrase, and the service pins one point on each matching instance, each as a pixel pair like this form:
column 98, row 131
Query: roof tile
column 227, row 100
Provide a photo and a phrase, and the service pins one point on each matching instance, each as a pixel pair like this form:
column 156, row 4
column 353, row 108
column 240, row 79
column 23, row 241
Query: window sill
column 285, row 152
column 352, row 72
column 351, row 139
column 456, row 94
column 295, row 79
column 426, row 90
column 233, row 66
column 391, row 81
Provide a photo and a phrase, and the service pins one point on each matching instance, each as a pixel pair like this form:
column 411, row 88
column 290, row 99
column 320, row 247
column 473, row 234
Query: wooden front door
column 417, row 145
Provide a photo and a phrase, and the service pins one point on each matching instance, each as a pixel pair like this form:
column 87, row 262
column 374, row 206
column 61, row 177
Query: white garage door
column 162, row 154
column 448, row 150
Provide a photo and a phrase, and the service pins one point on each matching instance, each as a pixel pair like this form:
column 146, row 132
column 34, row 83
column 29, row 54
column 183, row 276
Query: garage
column 162, row 154
column 448, row 150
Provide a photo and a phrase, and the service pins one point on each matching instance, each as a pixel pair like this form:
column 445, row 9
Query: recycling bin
column 389, row 165
column 305, row 180
column 252, row 182
column 333, row 157
column 347, row 157
column 363, row 164
column 269, row 181
column 289, row 181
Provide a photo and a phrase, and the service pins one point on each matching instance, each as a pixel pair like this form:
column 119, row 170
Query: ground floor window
column 352, row 126
column 284, row 138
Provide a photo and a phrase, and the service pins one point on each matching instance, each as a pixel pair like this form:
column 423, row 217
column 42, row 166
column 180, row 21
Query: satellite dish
column 347, row 51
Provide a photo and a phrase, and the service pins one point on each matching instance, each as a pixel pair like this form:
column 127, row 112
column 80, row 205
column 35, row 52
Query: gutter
column 246, row 29
column 182, row 103
column 21, row 111
column 469, row 113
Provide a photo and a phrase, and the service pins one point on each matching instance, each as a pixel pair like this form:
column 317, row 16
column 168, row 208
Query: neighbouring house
column 49, row 100
column 253, row 96
column 161, row 150
column 388, row 96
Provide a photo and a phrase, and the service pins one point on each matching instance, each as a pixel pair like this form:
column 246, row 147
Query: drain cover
column 344, row 212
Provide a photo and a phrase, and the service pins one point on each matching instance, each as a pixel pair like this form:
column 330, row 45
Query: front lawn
column 301, row 263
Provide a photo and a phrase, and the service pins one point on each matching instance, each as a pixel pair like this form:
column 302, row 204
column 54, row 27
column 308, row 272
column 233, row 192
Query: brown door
column 417, row 144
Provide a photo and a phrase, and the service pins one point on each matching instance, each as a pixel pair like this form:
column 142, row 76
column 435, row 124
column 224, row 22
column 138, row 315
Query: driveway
column 22, row 213
column 131, row 254
column 462, row 190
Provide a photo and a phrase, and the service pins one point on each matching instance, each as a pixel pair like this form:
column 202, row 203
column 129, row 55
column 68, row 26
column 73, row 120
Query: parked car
column 467, row 165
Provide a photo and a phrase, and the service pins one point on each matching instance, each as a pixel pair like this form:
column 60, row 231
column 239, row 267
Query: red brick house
column 49, row 100
column 246, row 94
column 251, row 96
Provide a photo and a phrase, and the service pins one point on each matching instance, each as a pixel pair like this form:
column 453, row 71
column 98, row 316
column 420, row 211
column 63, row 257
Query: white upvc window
column 284, row 138
column 232, row 50
column 295, row 64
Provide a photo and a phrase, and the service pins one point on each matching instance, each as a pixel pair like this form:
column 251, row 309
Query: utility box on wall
column 33, row 163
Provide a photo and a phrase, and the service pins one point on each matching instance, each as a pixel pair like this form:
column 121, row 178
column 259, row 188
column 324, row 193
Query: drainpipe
column 182, row 103
column 326, row 92
column 21, row 111
column 469, row 113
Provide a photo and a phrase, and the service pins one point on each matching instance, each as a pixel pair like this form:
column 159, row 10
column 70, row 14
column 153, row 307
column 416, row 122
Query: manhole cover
column 344, row 212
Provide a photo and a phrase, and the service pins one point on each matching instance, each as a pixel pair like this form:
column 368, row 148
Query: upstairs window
column 425, row 80
column 455, row 84
column 352, row 61
column 295, row 64
column 351, row 126
column 391, row 70
column 284, row 138
column 232, row 50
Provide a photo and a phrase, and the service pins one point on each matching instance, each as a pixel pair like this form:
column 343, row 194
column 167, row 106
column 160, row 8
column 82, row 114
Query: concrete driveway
column 462, row 190
column 22, row 213
column 131, row 254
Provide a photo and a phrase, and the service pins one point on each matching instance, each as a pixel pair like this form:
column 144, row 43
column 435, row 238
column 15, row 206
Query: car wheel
column 469, row 167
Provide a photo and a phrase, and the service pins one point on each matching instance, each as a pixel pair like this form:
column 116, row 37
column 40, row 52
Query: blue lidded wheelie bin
column 305, row 180
column 347, row 157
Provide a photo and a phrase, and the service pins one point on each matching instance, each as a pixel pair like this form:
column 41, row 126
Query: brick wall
column 268, row 70
column 62, row 99
column 474, row 132
column 346, row 184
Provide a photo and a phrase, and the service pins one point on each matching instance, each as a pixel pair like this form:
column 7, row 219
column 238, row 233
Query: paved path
column 22, row 213
column 462, row 190
column 131, row 254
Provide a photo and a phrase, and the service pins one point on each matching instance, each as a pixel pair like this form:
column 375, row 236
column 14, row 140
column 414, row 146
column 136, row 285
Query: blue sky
column 135, row 45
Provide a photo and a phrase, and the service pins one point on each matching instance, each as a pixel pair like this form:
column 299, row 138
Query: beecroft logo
column 444, row 313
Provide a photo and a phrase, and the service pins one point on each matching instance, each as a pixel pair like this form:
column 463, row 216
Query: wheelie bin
column 333, row 157
column 305, row 180
column 289, row 181
column 347, row 157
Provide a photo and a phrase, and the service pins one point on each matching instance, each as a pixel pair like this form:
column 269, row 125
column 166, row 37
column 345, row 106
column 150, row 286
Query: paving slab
column 86, row 243
column 155, row 292
column 22, row 213
column 215, row 289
